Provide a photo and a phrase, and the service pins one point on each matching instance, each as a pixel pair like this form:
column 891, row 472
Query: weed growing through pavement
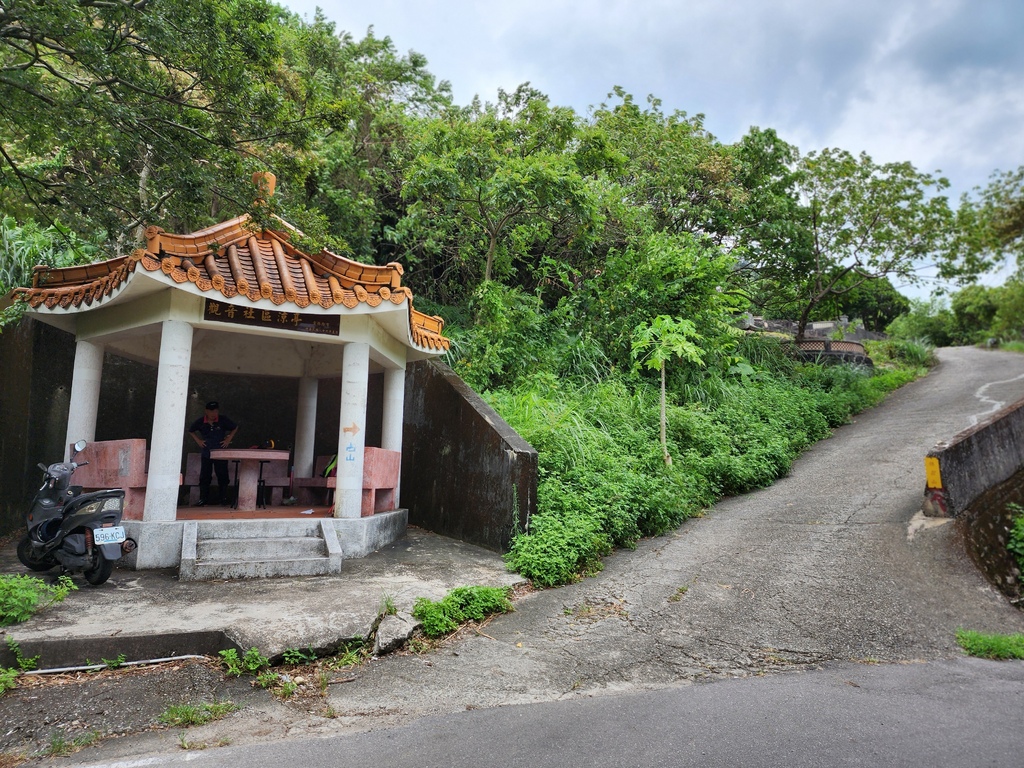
column 287, row 689
column 678, row 595
column 115, row 663
column 252, row 662
column 59, row 746
column 460, row 605
column 267, row 679
column 8, row 680
column 387, row 605
column 349, row 656
column 21, row 596
column 25, row 663
column 297, row 656
column 196, row 714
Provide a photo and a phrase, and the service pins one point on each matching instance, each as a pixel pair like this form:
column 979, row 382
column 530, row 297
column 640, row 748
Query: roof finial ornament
column 265, row 183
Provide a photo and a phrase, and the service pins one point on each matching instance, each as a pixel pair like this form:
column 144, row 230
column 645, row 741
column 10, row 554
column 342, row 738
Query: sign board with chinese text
column 222, row 312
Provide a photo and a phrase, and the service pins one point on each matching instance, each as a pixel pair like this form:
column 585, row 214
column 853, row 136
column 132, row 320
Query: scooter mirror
column 80, row 445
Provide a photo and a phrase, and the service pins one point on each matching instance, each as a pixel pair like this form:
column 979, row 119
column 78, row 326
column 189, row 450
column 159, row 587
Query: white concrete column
column 305, row 426
column 168, row 422
column 394, row 418
column 355, row 376
column 394, row 409
column 85, row 394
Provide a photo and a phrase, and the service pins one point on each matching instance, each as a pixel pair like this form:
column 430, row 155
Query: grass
column 60, row 746
column 991, row 646
column 196, row 714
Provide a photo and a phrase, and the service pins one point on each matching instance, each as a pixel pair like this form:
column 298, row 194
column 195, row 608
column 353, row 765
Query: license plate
column 113, row 535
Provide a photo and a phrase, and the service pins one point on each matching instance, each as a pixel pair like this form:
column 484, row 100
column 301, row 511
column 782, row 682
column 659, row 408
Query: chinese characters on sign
column 221, row 312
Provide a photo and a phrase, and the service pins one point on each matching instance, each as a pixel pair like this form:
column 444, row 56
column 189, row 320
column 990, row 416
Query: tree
column 768, row 226
column 876, row 303
column 120, row 113
column 974, row 310
column 491, row 186
column 674, row 175
column 867, row 221
column 658, row 341
column 681, row 276
column 990, row 229
column 352, row 174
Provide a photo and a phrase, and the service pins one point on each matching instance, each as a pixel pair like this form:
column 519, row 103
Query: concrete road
column 825, row 565
column 823, row 574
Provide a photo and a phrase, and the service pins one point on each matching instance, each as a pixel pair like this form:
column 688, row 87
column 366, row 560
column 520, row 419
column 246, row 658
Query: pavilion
column 239, row 298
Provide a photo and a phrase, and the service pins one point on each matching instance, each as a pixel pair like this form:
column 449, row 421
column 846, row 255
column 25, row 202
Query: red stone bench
column 116, row 464
column 381, row 470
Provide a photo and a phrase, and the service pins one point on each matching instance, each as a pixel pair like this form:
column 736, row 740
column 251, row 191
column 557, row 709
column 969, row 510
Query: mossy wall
column 985, row 526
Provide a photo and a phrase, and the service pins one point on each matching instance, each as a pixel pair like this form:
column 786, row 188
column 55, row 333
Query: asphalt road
column 826, row 576
column 939, row 714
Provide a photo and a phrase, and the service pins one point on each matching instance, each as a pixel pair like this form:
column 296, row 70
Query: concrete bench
column 275, row 477
column 381, row 471
column 116, row 464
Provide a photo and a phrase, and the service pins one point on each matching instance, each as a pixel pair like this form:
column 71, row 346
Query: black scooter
column 78, row 531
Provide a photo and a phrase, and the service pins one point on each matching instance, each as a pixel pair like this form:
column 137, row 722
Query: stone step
column 283, row 548
column 298, row 548
column 259, row 569
column 258, row 529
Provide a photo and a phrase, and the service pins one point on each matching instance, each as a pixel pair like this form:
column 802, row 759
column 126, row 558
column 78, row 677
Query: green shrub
column 557, row 551
column 22, row 596
column 1015, row 543
column 917, row 353
column 461, row 604
column 991, row 646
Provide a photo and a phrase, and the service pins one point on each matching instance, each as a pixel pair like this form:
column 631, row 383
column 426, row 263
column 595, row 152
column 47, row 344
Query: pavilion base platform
column 222, row 544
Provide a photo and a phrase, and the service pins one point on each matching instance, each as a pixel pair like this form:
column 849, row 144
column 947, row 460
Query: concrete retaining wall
column 986, row 525
column 465, row 472
column 977, row 459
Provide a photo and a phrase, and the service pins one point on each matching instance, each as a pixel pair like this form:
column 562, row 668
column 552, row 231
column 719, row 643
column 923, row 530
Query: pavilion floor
column 218, row 512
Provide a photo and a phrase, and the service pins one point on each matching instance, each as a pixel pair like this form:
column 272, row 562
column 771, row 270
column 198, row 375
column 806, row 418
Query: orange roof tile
column 242, row 265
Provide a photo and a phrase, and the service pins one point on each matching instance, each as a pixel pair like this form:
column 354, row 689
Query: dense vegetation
column 591, row 268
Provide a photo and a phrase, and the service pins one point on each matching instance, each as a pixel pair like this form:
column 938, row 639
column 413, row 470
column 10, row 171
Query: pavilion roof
column 243, row 263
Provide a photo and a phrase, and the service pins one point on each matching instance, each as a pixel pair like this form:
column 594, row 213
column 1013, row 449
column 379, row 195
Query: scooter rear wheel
column 33, row 563
column 100, row 569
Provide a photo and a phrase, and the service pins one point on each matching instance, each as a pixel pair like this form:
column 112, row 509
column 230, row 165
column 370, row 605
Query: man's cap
column 213, row 405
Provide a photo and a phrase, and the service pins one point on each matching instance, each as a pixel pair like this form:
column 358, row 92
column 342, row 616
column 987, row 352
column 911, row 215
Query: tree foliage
column 490, row 188
column 867, row 221
column 121, row 113
column 990, row 229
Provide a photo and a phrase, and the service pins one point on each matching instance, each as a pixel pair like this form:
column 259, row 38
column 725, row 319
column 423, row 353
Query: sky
column 937, row 82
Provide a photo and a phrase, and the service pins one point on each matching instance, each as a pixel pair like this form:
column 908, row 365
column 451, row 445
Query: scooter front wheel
column 29, row 561
column 100, row 570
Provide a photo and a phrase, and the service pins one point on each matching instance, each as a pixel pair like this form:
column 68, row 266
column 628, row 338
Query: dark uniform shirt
column 212, row 432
